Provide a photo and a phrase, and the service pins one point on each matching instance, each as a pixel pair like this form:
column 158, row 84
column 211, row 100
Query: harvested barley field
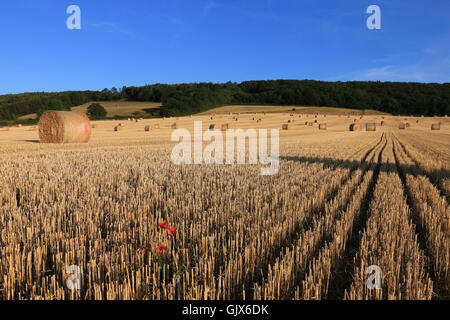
column 341, row 201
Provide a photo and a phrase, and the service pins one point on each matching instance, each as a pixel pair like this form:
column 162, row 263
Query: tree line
column 400, row 98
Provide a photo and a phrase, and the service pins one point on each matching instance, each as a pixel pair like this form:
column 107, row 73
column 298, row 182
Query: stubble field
column 340, row 202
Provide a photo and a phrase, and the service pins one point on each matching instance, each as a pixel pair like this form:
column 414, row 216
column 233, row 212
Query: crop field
column 341, row 201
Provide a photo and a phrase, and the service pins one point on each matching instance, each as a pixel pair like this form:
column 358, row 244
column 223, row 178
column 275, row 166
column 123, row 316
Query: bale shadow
column 386, row 167
column 31, row 141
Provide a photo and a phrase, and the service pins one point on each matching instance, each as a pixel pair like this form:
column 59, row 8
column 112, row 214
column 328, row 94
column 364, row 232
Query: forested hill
column 182, row 99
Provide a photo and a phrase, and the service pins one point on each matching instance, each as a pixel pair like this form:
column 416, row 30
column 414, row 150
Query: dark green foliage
column 96, row 111
column 183, row 99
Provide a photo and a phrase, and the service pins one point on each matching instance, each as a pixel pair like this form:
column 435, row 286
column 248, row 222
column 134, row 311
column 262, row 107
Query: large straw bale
column 371, row 126
column 64, row 127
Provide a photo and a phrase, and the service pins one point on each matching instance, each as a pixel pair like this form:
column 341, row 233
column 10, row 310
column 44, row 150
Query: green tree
column 96, row 111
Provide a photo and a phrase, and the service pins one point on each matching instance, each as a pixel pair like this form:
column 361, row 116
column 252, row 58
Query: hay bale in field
column 408, row 125
column 19, row 126
column 382, row 123
column 64, row 127
column 148, row 128
column 259, row 121
column 118, row 128
column 286, row 126
column 306, row 123
column 417, row 121
column 322, row 126
column 371, row 127
column 94, row 126
column 212, row 127
column 225, row 127
column 174, row 126
column 402, row 126
column 436, row 126
column 355, row 127
column 157, row 126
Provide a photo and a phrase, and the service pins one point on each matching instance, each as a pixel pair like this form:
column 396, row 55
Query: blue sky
column 138, row 42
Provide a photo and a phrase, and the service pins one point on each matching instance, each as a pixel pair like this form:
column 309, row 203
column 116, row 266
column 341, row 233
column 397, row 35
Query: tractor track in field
column 436, row 182
column 343, row 270
column 420, row 231
column 309, row 223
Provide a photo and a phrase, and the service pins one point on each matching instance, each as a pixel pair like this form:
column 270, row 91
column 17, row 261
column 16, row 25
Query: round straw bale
column 322, row 126
column 118, row 128
column 64, row 127
column 436, row 126
column 382, row 123
column 355, row 127
column 148, row 128
column 402, row 126
column 371, row 127
column 286, row 126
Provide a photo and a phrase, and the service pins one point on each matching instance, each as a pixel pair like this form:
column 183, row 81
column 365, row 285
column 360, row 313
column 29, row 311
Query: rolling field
column 115, row 108
column 340, row 202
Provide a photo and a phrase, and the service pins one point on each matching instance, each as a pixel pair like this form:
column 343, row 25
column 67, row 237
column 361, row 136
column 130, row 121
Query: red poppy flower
column 164, row 225
column 172, row 231
column 160, row 249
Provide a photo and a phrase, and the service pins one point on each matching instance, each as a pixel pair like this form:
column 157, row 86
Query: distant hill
column 291, row 109
column 398, row 98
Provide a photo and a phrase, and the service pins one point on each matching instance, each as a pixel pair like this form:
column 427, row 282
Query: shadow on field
column 30, row 141
column 436, row 176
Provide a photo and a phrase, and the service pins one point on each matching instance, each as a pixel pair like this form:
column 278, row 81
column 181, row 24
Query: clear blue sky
column 138, row 42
